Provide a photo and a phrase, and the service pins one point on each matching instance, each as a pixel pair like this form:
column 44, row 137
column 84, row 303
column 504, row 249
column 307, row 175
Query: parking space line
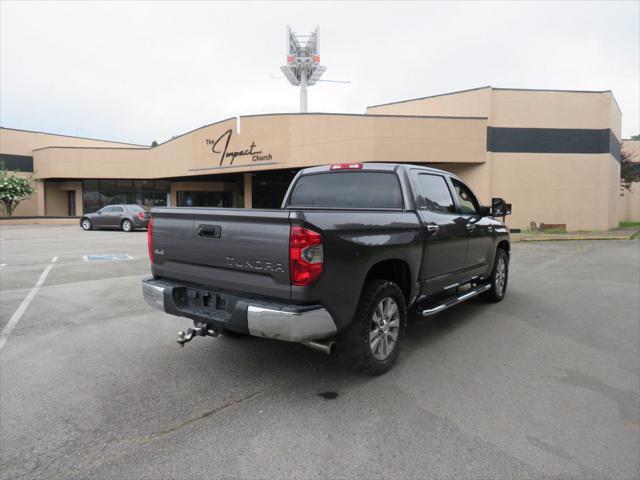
column 15, row 318
column 2, row 265
column 47, row 287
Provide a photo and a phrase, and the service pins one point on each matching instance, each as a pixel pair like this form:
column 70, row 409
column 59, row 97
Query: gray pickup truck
column 353, row 248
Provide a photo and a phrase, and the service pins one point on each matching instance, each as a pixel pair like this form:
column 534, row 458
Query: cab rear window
column 347, row 190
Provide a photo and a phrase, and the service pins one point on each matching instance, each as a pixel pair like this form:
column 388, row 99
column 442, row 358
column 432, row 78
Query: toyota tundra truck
column 353, row 248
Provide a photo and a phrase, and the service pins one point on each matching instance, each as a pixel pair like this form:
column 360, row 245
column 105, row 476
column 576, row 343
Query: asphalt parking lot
column 545, row 384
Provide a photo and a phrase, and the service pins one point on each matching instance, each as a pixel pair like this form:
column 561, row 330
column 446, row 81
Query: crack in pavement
column 202, row 416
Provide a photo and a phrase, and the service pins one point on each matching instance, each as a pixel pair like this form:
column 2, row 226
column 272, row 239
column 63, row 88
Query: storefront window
column 269, row 188
column 148, row 193
column 205, row 199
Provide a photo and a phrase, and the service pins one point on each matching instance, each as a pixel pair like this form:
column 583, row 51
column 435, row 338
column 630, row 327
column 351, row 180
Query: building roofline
column 145, row 147
column 71, row 136
column 196, row 129
column 564, row 91
column 502, row 88
column 430, row 96
column 363, row 115
column 91, row 148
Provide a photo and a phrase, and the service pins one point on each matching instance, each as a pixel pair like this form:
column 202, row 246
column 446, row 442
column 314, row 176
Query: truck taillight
column 305, row 256
column 150, row 239
column 141, row 215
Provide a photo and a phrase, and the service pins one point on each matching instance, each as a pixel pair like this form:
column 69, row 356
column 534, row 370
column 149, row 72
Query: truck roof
column 391, row 167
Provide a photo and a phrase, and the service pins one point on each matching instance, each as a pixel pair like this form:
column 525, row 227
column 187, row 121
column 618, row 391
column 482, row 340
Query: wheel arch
column 394, row 270
column 504, row 245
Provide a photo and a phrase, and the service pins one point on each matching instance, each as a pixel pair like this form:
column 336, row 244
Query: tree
column 635, row 137
column 629, row 170
column 154, row 144
column 13, row 189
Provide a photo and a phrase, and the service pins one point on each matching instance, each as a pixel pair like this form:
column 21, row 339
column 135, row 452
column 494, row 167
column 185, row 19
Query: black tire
column 356, row 343
column 498, row 282
column 126, row 225
column 86, row 224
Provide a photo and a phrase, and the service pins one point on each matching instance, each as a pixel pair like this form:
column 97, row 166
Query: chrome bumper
column 153, row 295
column 290, row 323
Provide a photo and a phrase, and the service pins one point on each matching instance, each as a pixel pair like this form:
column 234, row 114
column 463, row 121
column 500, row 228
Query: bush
column 13, row 189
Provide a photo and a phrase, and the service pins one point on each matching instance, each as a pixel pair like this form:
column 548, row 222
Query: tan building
column 629, row 201
column 553, row 154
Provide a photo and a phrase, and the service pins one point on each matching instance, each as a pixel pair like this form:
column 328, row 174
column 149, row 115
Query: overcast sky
column 144, row 71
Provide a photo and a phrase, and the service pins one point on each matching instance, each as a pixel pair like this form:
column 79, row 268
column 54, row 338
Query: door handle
column 433, row 228
column 209, row 231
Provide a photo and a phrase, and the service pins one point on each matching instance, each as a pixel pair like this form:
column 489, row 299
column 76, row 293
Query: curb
column 39, row 221
column 569, row 239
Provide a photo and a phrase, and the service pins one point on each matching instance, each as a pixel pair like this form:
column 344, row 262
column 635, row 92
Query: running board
column 451, row 301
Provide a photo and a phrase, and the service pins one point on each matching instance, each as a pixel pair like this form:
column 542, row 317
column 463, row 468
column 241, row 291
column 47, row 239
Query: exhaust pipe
column 324, row 346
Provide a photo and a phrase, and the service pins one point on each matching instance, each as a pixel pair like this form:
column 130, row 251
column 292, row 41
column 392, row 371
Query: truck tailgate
column 244, row 250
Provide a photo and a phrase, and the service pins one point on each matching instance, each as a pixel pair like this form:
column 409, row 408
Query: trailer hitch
column 200, row 330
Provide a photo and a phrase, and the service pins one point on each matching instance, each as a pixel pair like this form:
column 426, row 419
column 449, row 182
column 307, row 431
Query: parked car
column 353, row 247
column 124, row 217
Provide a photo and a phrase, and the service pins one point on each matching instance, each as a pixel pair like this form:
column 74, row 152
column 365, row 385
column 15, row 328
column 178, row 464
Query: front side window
column 466, row 199
column 436, row 194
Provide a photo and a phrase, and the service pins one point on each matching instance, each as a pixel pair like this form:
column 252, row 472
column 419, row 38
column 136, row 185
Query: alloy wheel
column 385, row 327
column 501, row 276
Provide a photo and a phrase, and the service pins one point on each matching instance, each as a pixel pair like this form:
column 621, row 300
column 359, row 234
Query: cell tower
column 303, row 67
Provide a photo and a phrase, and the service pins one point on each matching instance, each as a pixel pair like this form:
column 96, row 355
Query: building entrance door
column 71, row 203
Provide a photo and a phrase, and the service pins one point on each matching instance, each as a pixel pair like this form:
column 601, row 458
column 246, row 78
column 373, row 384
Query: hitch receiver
column 200, row 330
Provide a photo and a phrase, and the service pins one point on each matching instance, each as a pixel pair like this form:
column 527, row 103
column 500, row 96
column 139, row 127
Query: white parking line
column 13, row 321
column 47, row 287
column 2, row 265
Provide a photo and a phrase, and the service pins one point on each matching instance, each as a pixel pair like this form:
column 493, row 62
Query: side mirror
column 485, row 211
column 499, row 208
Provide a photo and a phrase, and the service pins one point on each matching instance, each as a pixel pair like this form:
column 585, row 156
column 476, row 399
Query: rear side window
column 436, row 194
column 348, row 190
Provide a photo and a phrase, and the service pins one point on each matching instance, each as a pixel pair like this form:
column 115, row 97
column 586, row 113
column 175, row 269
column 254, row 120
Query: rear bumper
column 293, row 323
column 137, row 223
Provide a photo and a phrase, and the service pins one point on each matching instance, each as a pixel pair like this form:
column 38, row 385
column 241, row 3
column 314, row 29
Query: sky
column 143, row 71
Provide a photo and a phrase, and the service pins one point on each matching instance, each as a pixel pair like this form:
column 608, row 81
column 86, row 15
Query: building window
column 269, row 188
column 205, row 199
column 147, row 193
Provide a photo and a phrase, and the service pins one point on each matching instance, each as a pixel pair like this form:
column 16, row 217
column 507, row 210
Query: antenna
column 303, row 67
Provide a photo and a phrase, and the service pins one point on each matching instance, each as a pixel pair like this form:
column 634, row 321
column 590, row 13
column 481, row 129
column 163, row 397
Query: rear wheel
column 126, row 225
column 85, row 223
column 499, row 277
column 372, row 342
